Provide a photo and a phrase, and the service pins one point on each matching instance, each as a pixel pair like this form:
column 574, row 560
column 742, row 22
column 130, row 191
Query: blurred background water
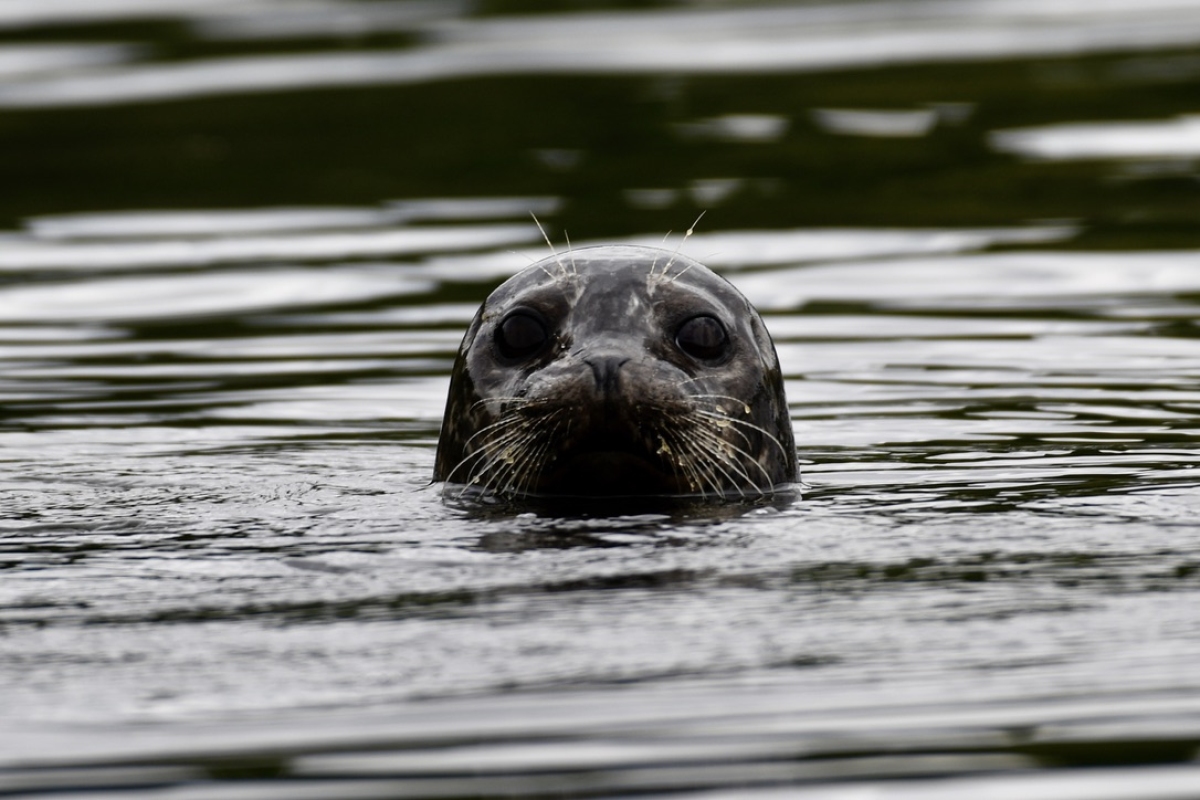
column 240, row 241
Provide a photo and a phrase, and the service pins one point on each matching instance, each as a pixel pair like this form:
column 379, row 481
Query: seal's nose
column 606, row 370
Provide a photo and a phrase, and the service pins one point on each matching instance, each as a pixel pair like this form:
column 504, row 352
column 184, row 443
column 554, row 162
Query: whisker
column 557, row 257
column 524, row 402
column 737, row 400
column 752, row 426
column 571, row 253
column 489, row 445
column 654, row 263
column 693, row 457
column 535, row 462
column 695, row 465
column 721, row 442
column 710, row 461
column 691, row 229
column 509, row 453
column 497, row 428
column 498, row 434
column 515, row 456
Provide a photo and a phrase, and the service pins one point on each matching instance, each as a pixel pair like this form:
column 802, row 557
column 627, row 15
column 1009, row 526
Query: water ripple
column 810, row 37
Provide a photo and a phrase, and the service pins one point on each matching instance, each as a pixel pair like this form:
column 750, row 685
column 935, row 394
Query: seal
column 617, row 371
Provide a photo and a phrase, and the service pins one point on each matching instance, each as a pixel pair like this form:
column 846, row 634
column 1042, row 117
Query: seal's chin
column 609, row 473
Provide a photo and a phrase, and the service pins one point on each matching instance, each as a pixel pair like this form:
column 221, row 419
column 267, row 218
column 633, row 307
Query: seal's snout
column 606, row 370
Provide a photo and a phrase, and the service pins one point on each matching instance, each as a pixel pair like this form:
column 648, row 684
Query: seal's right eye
column 521, row 335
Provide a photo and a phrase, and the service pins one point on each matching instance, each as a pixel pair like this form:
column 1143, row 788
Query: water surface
column 239, row 249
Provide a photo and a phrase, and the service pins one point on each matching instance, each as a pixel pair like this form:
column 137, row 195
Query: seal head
column 617, row 371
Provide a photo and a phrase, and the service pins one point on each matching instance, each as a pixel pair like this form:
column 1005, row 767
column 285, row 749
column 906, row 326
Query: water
column 240, row 244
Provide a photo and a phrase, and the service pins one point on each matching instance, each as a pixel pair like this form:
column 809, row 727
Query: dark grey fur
column 612, row 405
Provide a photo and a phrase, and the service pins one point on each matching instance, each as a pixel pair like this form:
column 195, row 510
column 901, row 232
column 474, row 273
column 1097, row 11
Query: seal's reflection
column 571, row 523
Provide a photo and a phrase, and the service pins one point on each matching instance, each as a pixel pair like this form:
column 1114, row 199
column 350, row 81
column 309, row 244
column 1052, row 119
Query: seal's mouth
column 609, row 455
column 610, row 473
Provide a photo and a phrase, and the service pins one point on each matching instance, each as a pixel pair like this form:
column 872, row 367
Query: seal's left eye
column 703, row 338
column 520, row 336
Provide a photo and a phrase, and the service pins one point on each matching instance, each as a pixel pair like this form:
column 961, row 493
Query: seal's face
column 612, row 371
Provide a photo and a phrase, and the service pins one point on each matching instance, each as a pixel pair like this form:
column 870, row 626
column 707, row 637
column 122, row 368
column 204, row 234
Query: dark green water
column 239, row 245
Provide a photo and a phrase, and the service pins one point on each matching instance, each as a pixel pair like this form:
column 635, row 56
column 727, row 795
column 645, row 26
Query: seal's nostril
column 606, row 370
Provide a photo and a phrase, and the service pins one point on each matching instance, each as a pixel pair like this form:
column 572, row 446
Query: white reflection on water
column 157, row 224
column 30, row 13
column 736, row 128
column 33, row 254
column 170, row 296
column 977, row 281
column 875, row 122
column 816, row 37
column 24, row 60
column 744, row 249
column 164, row 224
column 320, row 19
column 162, row 239
column 1170, row 138
column 1144, row 783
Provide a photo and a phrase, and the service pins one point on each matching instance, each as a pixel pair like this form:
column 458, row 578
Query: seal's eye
column 520, row 335
column 703, row 338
